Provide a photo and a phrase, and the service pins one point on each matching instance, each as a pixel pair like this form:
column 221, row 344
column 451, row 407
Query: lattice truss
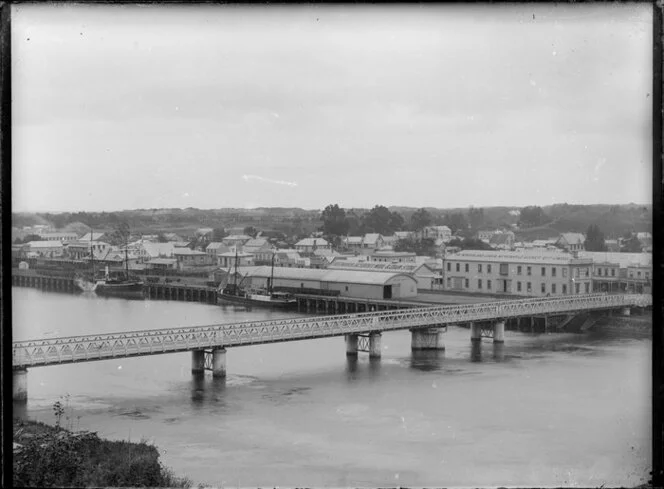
column 149, row 342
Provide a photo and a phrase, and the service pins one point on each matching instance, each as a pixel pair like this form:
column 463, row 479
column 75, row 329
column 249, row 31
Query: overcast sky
column 121, row 107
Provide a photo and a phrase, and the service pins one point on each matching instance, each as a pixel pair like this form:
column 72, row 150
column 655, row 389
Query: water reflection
column 476, row 351
column 20, row 410
column 197, row 388
column 499, row 352
column 427, row 360
column 355, row 369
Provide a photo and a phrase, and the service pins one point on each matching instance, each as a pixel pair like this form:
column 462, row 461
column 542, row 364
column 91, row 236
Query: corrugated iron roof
column 328, row 275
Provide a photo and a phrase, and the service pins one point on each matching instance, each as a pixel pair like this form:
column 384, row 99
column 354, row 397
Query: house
column 162, row 264
column 389, row 242
column 537, row 273
column 260, row 248
column 502, row 240
column 289, row 259
column 621, row 272
column 79, row 250
column 485, row 235
column 435, row 232
column 172, row 237
column 571, row 242
column 612, row 245
column 403, row 235
column 63, row 237
column 149, row 250
column 227, row 260
column 215, row 249
column 425, row 276
column 204, row 232
column 43, row 249
column 646, row 241
column 352, row 243
column 392, row 257
column 235, row 240
column 309, row 245
column 188, row 258
column 95, row 237
column 371, row 243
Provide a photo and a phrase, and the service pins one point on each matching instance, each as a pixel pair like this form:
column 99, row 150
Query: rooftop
column 550, row 257
column 328, row 275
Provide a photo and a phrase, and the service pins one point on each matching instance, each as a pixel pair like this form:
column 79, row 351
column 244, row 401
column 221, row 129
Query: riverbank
column 51, row 456
column 637, row 325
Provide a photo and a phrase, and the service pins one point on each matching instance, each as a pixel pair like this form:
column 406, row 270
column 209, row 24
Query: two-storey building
column 517, row 273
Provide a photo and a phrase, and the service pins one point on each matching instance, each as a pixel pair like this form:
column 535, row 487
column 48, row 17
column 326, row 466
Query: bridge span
column 362, row 332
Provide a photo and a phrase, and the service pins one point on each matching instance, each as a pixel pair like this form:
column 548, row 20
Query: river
column 540, row 410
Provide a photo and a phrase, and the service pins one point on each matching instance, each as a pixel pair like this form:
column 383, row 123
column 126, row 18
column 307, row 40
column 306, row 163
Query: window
column 449, row 282
column 458, row 267
column 564, row 288
column 529, row 287
column 576, row 288
column 504, row 269
column 638, row 274
column 346, row 287
column 479, row 283
column 543, row 271
column 543, row 288
column 576, row 272
column 518, row 270
column 488, row 284
column 488, row 269
column 529, row 271
column 467, row 283
column 467, row 267
column 613, row 272
column 553, row 288
column 553, row 271
column 564, row 272
column 587, row 286
column 599, row 272
column 518, row 286
column 479, row 268
column 449, row 267
column 587, row 270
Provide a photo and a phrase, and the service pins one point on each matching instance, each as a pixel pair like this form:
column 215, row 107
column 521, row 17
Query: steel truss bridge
column 150, row 342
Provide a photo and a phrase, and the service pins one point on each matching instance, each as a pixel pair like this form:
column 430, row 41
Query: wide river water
column 540, row 410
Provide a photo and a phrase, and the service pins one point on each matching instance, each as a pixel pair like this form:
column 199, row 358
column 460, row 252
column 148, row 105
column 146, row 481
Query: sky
column 209, row 106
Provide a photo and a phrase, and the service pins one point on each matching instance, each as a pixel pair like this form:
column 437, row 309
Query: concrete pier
column 427, row 339
column 626, row 311
column 197, row 361
column 499, row 332
column 351, row 344
column 219, row 362
column 374, row 345
column 475, row 332
column 20, row 384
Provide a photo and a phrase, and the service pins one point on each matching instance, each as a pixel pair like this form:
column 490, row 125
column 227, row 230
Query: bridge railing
column 146, row 342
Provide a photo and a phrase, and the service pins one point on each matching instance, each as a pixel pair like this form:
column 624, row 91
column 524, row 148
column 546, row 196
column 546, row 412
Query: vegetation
column 421, row 247
column 532, row 216
column 469, row 244
column 594, row 239
column 47, row 456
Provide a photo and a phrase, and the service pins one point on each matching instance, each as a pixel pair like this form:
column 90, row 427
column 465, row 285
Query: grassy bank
column 47, row 456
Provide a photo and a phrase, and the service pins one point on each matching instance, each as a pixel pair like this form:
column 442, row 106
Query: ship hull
column 132, row 290
column 246, row 301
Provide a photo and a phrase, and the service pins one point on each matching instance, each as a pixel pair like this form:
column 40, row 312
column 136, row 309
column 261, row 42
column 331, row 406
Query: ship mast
column 235, row 275
column 92, row 255
column 272, row 276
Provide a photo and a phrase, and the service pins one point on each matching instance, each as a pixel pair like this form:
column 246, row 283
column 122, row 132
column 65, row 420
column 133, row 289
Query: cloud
column 246, row 178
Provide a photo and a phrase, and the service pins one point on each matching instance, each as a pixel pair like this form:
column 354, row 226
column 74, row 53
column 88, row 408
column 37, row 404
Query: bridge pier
column 625, row 311
column 351, row 344
column 197, row 361
column 374, row 345
column 219, row 362
column 20, row 384
column 475, row 332
column 427, row 339
column 499, row 332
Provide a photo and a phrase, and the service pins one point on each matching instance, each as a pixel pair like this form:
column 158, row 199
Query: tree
column 456, row 222
column 594, row 239
column 251, row 231
column 121, row 233
column 218, row 234
column 334, row 220
column 161, row 238
column 422, row 247
column 419, row 220
column 532, row 216
column 31, row 237
column 631, row 245
column 476, row 218
column 381, row 220
column 469, row 244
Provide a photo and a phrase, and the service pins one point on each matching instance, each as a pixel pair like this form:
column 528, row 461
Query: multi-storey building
column 517, row 273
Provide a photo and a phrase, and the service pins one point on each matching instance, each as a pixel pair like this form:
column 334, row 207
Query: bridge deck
column 150, row 342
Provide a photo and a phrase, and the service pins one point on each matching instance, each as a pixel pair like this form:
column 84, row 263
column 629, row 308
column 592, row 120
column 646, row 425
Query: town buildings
column 517, row 273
